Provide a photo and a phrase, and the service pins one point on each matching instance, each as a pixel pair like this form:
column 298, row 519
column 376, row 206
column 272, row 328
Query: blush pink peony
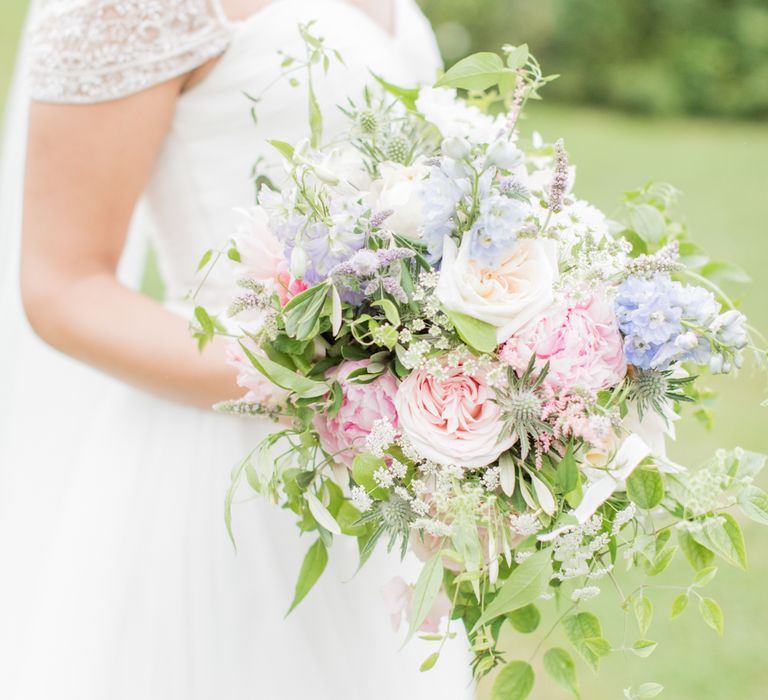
column 580, row 340
column 452, row 420
column 398, row 599
column 363, row 404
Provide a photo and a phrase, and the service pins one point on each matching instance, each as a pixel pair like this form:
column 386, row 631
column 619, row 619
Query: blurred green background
column 664, row 90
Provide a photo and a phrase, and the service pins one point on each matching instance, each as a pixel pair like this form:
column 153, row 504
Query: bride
column 118, row 581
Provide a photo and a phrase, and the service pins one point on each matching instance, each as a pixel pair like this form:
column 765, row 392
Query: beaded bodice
column 92, row 50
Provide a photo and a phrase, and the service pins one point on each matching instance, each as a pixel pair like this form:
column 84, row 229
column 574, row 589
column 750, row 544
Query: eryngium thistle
column 369, row 122
column 652, row 388
column 392, row 517
column 560, row 179
column 398, row 149
column 521, row 406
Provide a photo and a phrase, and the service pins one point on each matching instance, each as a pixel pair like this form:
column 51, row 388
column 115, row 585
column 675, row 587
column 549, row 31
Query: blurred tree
column 657, row 56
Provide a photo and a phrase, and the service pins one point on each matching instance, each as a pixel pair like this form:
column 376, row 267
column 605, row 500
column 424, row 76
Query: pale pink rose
column 425, row 546
column 363, row 404
column 398, row 599
column 260, row 389
column 580, row 340
column 263, row 257
column 453, row 420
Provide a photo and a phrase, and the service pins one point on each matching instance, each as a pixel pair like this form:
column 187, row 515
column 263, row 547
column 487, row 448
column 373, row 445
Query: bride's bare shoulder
column 85, row 51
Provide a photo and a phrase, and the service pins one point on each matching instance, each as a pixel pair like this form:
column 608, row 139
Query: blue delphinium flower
column 496, row 227
column 664, row 321
column 441, row 196
column 327, row 246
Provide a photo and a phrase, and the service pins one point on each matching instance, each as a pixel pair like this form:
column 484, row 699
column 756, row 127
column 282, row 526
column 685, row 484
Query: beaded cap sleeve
column 85, row 51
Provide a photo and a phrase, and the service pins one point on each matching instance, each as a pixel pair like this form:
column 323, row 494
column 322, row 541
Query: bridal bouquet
column 470, row 362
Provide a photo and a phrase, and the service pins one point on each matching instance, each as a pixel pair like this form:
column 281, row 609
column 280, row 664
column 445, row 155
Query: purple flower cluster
column 369, row 270
column 322, row 244
column 664, row 321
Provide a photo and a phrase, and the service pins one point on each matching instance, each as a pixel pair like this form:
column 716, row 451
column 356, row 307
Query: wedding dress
column 117, row 579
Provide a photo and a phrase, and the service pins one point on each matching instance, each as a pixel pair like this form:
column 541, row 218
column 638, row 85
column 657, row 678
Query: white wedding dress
column 117, row 579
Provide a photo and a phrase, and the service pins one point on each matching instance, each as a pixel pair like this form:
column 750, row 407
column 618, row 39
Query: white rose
column 399, row 190
column 507, row 296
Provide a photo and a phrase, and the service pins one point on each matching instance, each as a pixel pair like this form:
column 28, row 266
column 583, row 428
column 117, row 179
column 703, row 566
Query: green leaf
column 390, row 311
column 427, row 587
column 644, row 648
column 679, row 605
column 643, row 613
column 477, row 334
column 285, row 149
column 582, row 627
column 698, row 556
column 720, row 272
column 526, row 619
column 645, row 488
column 712, row 614
column 722, row 534
column 568, row 471
column 476, row 72
column 514, row 682
column 285, row 378
column 518, row 57
column 647, row 691
column 661, row 562
column 407, row 96
column 315, row 119
column 363, row 468
column 205, row 321
column 648, row 222
column 321, row 515
column 753, row 502
column 704, row 576
column 523, row 586
column 599, row 646
column 302, row 313
column 311, row 570
column 429, row 662
column 559, row 664
column 205, row 259
column 639, row 246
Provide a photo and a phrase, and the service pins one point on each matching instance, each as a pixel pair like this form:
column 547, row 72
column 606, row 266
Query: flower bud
column 503, row 154
column 716, row 364
column 325, row 175
column 456, row 147
column 687, row 341
column 298, row 264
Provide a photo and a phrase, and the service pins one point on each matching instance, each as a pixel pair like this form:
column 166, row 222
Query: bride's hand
column 86, row 168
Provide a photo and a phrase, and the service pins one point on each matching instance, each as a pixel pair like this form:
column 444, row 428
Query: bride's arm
column 86, row 167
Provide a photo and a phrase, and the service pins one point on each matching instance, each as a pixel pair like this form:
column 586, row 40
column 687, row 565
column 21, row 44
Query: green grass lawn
column 722, row 169
column 11, row 17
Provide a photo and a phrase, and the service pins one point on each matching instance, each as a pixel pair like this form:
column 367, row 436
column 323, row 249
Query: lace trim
column 86, row 51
